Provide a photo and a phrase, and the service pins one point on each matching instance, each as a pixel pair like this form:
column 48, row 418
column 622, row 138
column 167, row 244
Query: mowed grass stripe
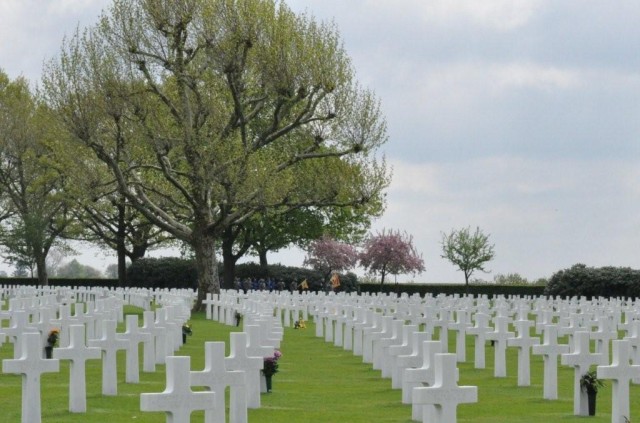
column 319, row 382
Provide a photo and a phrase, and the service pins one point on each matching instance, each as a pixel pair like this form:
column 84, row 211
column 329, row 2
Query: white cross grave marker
column 500, row 335
column 523, row 342
column 109, row 345
column 479, row 332
column 461, row 326
column 18, row 326
column 416, row 377
column 215, row 377
column 550, row 350
column 581, row 359
column 634, row 341
column 621, row 372
column 78, row 353
column 178, row 401
column 31, row 366
column 445, row 394
column 239, row 359
column 133, row 335
column 156, row 332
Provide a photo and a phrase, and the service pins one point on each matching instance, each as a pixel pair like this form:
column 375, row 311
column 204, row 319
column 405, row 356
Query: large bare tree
column 208, row 111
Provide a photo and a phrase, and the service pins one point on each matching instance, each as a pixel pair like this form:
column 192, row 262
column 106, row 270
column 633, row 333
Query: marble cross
column 31, row 366
column 621, row 372
column 178, row 401
column 78, row 353
column 445, row 394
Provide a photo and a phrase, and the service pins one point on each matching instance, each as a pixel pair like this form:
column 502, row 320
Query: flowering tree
column 327, row 255
column 391, row 253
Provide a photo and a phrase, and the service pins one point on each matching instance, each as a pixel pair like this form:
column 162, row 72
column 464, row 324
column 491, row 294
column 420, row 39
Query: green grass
column 317, row 382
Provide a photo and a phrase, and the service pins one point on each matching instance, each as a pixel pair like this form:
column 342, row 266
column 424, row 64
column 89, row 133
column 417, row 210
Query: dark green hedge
column 608, row 282
column 452, row 289
column 108, row 283
column 164, row 272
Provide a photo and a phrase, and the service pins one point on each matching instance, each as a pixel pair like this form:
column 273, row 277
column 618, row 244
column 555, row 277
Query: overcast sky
column 521, row 117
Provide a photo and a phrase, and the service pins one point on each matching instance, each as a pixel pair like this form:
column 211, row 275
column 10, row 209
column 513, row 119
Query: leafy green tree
column 104, row 215
column 5, row 208
column 270, row 231
column 209, row 111
column 468, row 251
column 77, row 270
column 20, row 271
column 274, row 231
column 112, row 223
column 510, row 279
column 56, row 257
column 32, row 182
column 111, row 271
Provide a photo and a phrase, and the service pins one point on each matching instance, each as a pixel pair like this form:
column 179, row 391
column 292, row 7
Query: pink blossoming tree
column 327, row 255
column 391, row 253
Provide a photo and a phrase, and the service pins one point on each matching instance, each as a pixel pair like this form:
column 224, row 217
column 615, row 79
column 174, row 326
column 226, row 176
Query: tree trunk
column 228, row 261
column 121, row 248
column 122, row 265
column 41, row 266
column 264, row 265
column 206, row 265
column 137, row 251
column 383, row 273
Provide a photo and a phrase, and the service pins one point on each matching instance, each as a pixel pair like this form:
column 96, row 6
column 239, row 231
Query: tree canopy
column 35, row 210
column 327, row 255
column 391, row 252
column 468, row 251
column 209, row 111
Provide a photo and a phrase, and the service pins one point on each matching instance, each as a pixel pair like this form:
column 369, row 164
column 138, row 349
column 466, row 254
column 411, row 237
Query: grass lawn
column 317, row 382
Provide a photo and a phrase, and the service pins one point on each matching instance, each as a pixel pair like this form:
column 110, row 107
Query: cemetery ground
column 317, row 382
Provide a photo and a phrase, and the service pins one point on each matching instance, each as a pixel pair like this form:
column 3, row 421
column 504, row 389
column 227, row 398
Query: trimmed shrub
column 72, row 282
column 165, row 272
column 608, row 282
column 452, row 289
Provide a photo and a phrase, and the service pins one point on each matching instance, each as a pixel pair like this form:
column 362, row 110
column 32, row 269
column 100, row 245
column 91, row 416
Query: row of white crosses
column 352, row 323
column 369, row 327
column 427, row 374
column 240, row 371
column 98, row 325
column 178, row 400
